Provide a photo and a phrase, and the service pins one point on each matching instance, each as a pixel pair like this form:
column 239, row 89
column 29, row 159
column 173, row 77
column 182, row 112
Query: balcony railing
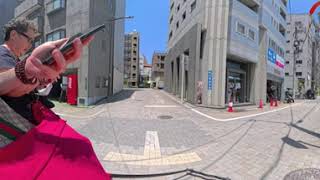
column 27, row 7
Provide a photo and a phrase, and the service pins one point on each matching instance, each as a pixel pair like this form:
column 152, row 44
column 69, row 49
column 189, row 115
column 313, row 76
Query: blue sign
column 272, row 56
column 210, row 80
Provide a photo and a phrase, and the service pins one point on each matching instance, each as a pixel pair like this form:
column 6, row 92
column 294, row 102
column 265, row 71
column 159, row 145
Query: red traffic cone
column 261, row 104
column 276, row 103
column 230, row 108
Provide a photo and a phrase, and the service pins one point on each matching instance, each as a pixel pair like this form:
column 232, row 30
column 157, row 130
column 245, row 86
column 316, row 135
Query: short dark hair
column 19, row 25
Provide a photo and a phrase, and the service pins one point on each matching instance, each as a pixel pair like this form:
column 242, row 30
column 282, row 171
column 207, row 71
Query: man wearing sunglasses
column 19, row 36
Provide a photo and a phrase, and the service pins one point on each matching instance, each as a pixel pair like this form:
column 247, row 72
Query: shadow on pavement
column 293, row 143
column 123, row 95
column 286, row 140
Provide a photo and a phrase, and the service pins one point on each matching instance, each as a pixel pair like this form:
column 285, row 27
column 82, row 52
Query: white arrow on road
column 152, row 155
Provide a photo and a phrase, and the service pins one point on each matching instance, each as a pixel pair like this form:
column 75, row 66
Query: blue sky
column 151, row 21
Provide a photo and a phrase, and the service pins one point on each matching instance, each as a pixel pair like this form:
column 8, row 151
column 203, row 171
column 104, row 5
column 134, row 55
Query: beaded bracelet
column 20, row 72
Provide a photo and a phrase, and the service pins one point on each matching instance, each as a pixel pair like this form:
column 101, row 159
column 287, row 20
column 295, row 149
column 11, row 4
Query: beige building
column 131, row 59
column 158, row 69
column 225, row 50
column 100, row 70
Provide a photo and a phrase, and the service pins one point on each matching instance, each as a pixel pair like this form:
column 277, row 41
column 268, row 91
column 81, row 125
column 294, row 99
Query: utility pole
column 296, row 44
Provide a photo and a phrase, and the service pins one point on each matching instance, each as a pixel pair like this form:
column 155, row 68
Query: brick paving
column 262, row 147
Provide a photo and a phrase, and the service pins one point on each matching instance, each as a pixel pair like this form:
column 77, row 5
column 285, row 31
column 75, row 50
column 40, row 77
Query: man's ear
column 13, row 34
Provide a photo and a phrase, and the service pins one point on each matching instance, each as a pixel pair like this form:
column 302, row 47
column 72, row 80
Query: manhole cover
column 304, row 174
column 165, row 117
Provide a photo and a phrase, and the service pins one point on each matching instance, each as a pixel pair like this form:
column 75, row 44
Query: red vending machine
column 72, row 90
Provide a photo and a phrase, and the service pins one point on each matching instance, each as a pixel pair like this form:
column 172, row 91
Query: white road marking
column 229, row 119
column 161, row 106
column 81, row 117
column 152, row 155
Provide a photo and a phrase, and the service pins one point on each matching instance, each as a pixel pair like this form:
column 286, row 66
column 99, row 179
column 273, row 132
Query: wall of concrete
column 118, row 59
column 173, row 83
column 7, row 13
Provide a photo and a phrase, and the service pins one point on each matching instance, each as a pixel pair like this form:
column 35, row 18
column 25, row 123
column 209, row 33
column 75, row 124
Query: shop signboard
column 275, row 64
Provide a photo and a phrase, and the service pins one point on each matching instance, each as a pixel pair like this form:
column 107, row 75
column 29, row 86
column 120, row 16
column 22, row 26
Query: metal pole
column 182, row 77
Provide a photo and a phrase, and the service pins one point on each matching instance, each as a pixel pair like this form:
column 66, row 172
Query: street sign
column 210, row 78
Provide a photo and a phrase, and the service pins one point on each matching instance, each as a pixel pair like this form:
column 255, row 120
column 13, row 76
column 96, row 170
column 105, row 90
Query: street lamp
column 111, row 55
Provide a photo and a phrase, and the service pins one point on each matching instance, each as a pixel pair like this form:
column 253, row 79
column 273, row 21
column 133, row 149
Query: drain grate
column 303, row 174
column 165, row 117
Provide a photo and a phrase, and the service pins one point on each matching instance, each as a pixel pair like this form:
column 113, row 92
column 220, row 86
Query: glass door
column 236, row 87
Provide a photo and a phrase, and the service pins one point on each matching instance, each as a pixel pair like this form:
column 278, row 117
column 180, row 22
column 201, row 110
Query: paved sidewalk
column 238, row 111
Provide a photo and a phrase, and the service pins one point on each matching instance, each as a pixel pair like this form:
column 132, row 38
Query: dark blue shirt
column 22, row 105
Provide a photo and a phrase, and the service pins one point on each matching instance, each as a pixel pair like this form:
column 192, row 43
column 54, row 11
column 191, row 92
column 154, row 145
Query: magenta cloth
column 51, row 150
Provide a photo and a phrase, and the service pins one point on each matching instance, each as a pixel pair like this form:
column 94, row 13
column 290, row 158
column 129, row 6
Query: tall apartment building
column 131, row 59
column 225, row 50
column 100, row 70
column 157, row 76
column 7, row 10
column 300, row 63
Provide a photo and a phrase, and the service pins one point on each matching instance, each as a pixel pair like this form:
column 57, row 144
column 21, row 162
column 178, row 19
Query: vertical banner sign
column 210, row 80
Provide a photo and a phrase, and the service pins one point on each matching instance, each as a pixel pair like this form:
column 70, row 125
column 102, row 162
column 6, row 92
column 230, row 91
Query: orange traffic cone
column 230, row 106
column 261, row 104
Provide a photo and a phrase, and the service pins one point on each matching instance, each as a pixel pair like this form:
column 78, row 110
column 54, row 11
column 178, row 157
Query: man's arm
column 10, row 85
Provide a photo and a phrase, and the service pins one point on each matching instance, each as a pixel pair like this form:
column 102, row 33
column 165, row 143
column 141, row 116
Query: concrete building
column 131, row 59
column 146, row 74
column 300, row 67
column 158, row 61
column 7, row 10
column 218, row 50
column 142, row 59
column 315, row 83
column 100, row 70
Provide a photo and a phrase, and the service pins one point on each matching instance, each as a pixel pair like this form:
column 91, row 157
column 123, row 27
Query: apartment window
column 287, row 62
column 299, row 62
column 251, row 34
column 184, row 16
column 193, row 5
column 288, row 52
column 55, row 5
column 171, row 7
column 298, row 73
column 98, row 82
column 59, row 34
column 170, row 35
column 287, row 74
column 177, row 25
column 162, row 66
column 288, row 41
column 178, row 8
column 171, row 19
column 241, row 28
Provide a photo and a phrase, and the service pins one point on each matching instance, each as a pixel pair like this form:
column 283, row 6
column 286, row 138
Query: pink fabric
column 52, row 150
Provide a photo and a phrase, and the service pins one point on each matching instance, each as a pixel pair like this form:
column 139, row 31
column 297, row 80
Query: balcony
column 27, row 7
column 39, row 23
column 251, row 4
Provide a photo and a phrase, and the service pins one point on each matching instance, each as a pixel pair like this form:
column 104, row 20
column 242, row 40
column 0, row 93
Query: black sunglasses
column 30, row 40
